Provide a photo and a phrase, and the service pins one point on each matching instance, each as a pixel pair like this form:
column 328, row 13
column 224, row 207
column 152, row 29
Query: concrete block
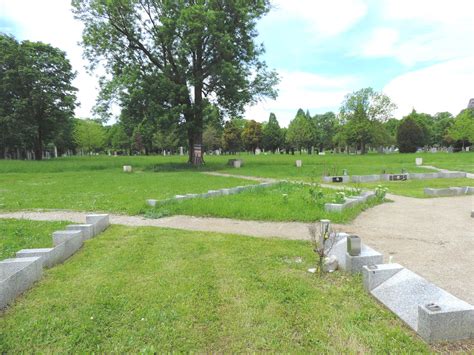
column 214, row 193
column 423, row 176
column 374, row 275
column 87, row 230
column 181, row 197
column 419, row 161
column 237, row 163
column 365, row 178
column 100, row 222
column 299, row 163
column 451, row 175
column 368, row 256
column 49, row 256
column 472, row 214
column 151, row 202
column 127, row 168
column 406, row 291
column 60, row 237
column 16, row 276
column 470, row 190
column 450, row 321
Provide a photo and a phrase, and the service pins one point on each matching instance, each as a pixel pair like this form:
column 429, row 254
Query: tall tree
column 232, row 136
column 196, row 50
column 300, row 131
column 89, row 135
column 410, row 135
column 36, row 94
column 252, row 135
column 360, row 110
column 272, row 136
column 325, row 127
column 463, row 127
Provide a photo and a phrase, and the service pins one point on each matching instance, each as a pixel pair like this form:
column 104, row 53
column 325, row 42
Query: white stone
column 299, row 163
column 86, row 229
column 419, row 161
column 127, row 168
column 100, row 222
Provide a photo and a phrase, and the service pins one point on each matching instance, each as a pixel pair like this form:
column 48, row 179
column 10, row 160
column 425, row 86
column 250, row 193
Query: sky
column 418, row 52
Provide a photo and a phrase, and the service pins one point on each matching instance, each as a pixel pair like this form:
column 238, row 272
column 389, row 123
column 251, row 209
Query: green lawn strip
column 453, row 161
column 106, row 190
column 24, row 234
column 415, row 188
column 283, row 202
column 150, row 289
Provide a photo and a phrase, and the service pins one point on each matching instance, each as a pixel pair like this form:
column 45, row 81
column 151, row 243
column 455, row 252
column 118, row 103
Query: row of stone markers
column 394, row 177
column 213, row 193
column 433, row 313
column 18, row 274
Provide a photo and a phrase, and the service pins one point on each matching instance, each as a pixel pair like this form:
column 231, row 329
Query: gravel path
column 433, row 237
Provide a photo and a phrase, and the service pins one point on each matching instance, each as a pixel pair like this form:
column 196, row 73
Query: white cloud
column 422, row 31
column 310, row 91
column 442, row 87
column 381, row 42
column 323, row 18
column 52, row 22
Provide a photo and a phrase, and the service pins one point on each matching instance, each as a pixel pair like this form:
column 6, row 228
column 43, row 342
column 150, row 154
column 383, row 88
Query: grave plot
column 279, row 202
column 436, row 315
column 393, row 177
column 20, row 273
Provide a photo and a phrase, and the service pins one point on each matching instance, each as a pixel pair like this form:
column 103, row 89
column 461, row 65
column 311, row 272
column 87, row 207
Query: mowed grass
column 91, row 189
column 161, row 290
column 282, row 202
column 24, row 234
column 463, row 161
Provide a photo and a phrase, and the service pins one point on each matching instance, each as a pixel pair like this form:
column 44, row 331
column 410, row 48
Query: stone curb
column 349, row 202
column 450, row 191
column 395, row 177
column 213, row 193
column 18, row 274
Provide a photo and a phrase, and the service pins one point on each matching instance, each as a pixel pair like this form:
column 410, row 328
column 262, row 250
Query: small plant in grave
column 316, row 194
column 322, row 244
column 381, row 192
column 340, row 197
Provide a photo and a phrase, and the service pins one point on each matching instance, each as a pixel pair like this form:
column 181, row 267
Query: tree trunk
column 39, row 146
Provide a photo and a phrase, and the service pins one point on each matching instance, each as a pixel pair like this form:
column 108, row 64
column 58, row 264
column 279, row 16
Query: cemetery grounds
column 159, row 289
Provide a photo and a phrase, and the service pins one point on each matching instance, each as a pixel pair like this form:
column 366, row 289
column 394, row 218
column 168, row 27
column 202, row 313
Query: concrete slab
column 406, row 291
column 365, row 178
column 368, row 256
column 86, row 229
column 16, row 276
column 151, row 202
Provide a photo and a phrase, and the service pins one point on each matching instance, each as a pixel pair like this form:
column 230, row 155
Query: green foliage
column 212, row 138
column 117, row 139
column 300, row 132
column 186, row 53
column 89, row 135
column 232, row 136
column 360, row 112
column 272, row 135
column 324, row 128
column 410, row 135
column 252, row 135
column 381, row 192
column 37, row 98
column 463, row 127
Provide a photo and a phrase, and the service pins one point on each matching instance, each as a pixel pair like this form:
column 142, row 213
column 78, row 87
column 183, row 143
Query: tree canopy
column 198, row 53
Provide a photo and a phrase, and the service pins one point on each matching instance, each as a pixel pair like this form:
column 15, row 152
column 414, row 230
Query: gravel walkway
column 433, row 237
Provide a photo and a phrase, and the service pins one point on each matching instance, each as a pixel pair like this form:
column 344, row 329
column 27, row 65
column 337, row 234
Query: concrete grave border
column 435, row 314
column 409, row 176
column 213, row 193
column 349, row 202
column 18, row 274
column 450, row 191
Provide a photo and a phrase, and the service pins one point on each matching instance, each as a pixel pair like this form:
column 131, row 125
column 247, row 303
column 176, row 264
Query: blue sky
column 419, row 52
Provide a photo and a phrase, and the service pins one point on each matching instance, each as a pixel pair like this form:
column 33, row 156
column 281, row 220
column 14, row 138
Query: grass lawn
column 160, row 290
column 414, row 188
column 454, row 161
column 283, row 202
column 23, row 234
column 96, row 185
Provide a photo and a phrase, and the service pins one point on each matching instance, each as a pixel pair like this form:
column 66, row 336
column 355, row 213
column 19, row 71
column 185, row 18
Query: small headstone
column 258, row 151
column 127, row 168
column 299, row 163
column 181, row 151
column 237, row 163
column 344, row 172
column 419, row 161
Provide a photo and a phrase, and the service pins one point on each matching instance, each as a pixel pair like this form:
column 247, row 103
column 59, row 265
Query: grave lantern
column 353, row 245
